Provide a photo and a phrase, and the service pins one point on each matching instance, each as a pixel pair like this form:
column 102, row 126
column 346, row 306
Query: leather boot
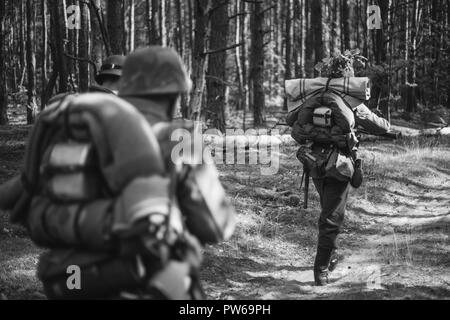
column 334, row 260
column 321, row 277
column 321, row 264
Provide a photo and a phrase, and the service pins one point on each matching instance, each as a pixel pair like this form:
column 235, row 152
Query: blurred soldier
column 328, row 121
column 109, row 75
column 153, row 80
column 102, row 193
column 107, row 78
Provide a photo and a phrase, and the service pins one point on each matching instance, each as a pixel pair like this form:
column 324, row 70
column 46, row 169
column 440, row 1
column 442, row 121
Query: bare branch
column 237, row 15
column 222, row 3
column 223, row 49
column 82, row 60
column 229, row 84
column 267, row 9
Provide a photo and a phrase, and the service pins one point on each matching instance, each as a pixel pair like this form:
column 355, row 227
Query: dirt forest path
column 395, row 240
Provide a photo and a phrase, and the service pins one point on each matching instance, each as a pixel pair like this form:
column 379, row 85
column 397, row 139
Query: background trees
column 238, row 52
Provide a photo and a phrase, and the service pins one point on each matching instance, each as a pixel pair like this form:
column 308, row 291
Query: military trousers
column 333, row 199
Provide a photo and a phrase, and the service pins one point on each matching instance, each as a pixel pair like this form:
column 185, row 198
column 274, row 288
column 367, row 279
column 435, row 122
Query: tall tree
column 131, row 27
column 199, row 57
column 57, row 46
column 3, row 88
column 380, row 86
column 31, row 64
column 44, row 52
column 215, row 82
column 257, row 63
column 288, row 52
column 316, row 17
column 116, row 25
column 83, row 48
column 345, row 19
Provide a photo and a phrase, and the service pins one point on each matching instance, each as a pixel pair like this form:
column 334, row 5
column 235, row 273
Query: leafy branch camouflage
column 341, row 65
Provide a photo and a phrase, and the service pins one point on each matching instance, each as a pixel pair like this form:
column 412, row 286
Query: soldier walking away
column 324, row 114
column 99, row 190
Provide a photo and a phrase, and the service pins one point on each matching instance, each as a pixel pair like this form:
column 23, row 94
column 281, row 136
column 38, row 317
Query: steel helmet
column 154, row 70
column 111, row 66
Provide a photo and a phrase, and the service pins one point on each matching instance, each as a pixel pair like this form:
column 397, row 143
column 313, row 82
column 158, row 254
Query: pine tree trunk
column 180, row 43
column 199, row 56
column 303, row 33
column 83, row 46
column 237, row 58
column 309, row 40
column 44, row 52
column 215, row 82
column 57, row 44
column 411, row 99
column 257, row 64
column 288, row 52
column 132, row 26
column 162, row 22
column 115, row 25
column 345, row 18
column 3, row 89
column 31, row 64
column 244, row 58
column 316, row 18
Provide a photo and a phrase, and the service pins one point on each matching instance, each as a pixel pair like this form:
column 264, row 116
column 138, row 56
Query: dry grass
column 397, row 220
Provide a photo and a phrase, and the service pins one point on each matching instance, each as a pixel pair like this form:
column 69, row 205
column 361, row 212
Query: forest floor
column 395, row 241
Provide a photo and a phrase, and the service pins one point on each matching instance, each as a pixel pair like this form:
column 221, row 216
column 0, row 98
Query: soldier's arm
column 370, row 121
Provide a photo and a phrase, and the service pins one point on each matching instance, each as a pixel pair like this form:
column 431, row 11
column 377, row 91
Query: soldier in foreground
column 100, row 191
column 325, row 115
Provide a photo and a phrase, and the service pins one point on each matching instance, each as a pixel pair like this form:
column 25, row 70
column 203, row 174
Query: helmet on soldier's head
column 154, row 70
column 111, row 67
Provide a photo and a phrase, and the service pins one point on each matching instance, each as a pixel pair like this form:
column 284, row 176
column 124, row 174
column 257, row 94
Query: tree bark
column 83, row 48
column 3, row 89
column 215, row 82
column 288, row 52
column 237, row 56
column 115, row 25
column 44, row 52
column 199, row 56
column 31, row 64
column 345, row 18
column 57, row 43
column 316, row 20
column 132, row 24
column 257, row 64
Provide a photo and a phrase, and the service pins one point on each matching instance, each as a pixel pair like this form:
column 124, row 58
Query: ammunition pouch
column 329, row 162
column 313, row 161
column 323, row 136
column 340, row 166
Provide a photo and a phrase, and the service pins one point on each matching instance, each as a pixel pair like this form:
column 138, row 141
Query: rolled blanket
column 354, row 90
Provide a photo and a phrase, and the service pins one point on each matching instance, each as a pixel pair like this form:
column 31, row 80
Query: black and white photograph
column 242, row 152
